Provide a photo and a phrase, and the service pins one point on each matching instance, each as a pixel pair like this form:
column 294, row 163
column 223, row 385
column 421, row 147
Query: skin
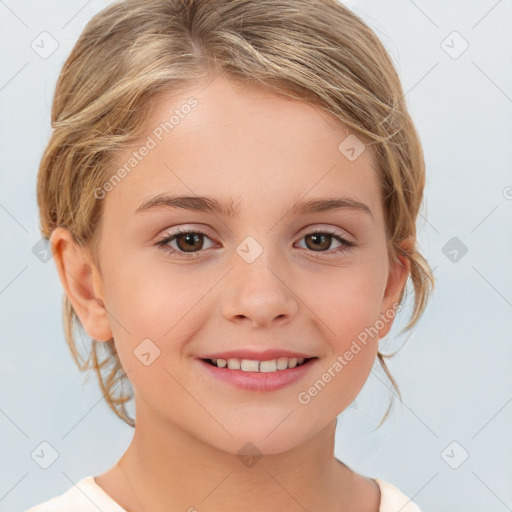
column 266, row 152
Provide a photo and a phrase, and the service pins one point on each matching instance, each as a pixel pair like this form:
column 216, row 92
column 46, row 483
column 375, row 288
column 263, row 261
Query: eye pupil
column 316, row 238
column 189, row 237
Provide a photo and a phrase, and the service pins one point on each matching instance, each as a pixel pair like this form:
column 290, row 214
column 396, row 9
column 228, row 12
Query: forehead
column 245, row 143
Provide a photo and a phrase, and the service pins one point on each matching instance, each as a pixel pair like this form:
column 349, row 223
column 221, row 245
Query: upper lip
column 265, row 355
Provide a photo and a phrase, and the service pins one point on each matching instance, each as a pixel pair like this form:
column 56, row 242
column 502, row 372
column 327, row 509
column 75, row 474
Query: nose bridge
column 259, row 288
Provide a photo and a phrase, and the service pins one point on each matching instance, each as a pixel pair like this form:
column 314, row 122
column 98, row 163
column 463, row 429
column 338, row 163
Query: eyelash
column 346, row 246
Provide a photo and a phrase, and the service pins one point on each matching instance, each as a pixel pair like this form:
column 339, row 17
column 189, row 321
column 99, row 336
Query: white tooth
column 249, row 365
column 282, row 363
column 268, row 366
column 234, row 364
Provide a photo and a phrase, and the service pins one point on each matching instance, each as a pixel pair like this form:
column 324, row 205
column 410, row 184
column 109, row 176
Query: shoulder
column 85, row 496
column 393, row 500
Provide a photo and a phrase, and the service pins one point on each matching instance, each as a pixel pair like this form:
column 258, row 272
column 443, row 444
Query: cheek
column 348, row 320
column 156, row 313
column 154, row 320
column 149, row 296
column 348, row 316
column 347, row 301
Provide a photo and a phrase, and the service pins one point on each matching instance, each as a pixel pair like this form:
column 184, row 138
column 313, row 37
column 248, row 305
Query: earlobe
column 81, row 283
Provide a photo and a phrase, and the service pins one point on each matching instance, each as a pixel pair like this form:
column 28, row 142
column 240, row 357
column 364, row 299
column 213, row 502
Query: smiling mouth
column 250, row 365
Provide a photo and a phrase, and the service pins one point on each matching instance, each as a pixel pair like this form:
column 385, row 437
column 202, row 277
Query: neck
column 166, row 467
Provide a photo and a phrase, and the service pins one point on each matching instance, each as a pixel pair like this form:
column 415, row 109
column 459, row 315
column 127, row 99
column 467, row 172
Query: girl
column 230, row 192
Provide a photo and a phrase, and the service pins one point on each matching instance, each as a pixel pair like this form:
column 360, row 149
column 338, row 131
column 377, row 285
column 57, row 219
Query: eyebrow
column 227, row 209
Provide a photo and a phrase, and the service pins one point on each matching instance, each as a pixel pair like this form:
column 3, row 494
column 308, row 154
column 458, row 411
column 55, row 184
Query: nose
column 259, row 293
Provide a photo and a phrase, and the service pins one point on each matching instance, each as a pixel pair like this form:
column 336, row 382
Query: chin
column 263, row 440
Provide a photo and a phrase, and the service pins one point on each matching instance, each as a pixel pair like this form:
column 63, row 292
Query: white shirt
column 88, row 496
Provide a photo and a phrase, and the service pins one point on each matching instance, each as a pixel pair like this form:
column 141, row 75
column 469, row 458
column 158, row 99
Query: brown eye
column 320, row 242
column 189, row 242
column 186, row 242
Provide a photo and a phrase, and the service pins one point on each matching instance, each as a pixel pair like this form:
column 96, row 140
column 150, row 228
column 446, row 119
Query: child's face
column 263, row 153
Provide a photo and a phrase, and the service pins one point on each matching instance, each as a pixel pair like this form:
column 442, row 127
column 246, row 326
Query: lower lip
column 259, row 381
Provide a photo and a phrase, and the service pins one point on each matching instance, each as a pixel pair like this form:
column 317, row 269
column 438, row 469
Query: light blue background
column 455, row 370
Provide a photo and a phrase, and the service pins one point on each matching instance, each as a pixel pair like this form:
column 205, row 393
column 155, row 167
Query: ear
column 82, row 283
column 397, row 278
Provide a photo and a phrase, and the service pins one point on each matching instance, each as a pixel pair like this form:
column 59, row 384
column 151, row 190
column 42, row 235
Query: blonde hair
column 133, row 51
